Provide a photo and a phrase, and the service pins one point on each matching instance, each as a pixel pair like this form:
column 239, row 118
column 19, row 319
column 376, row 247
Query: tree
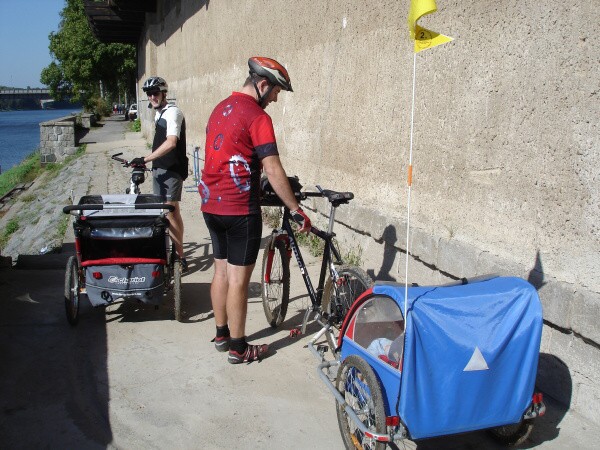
column 82, row 63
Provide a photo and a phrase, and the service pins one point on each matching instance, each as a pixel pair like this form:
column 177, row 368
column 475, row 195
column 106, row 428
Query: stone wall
column 506, row 145
column 57, row 139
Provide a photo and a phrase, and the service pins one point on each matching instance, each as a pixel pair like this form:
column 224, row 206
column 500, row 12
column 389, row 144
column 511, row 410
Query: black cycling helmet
column 154, row 84
column 272, row 71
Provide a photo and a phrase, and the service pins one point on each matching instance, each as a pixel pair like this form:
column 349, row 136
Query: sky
column 24, row 29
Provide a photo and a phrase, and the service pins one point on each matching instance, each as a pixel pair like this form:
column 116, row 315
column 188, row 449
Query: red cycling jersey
column 239, row 135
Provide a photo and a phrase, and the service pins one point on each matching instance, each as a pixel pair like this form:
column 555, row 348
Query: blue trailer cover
column 471, row 355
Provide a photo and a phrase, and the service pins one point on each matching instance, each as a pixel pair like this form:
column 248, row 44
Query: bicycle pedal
column 295, row 332
column 321, row 348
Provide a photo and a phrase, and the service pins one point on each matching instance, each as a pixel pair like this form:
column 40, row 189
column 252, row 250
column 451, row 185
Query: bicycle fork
column 278, row 236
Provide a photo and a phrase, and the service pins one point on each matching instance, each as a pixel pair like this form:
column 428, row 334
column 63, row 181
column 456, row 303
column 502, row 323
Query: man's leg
column 176, row 228
column 218, row 292
column 237, row 298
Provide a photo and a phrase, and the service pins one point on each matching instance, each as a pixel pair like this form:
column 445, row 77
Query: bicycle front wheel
column 359, row 386
column 352, row 282
column 275, row 281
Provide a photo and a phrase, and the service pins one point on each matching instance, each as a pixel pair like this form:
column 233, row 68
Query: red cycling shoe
column 252, row 353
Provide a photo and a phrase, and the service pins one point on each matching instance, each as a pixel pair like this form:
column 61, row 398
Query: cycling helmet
column 155, row 84
column 271, row 70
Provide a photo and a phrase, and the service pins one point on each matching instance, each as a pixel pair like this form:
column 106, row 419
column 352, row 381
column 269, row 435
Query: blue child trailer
column 466, row 359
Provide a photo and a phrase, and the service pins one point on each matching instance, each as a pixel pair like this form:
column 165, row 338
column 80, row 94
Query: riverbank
column 20, row 133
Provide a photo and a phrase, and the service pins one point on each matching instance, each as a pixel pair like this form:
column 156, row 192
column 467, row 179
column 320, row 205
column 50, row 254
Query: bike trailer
column 467, row 361
column 123, row 247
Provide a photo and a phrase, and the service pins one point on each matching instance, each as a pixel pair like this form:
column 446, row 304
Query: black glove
column 301, row 219
column 137, row 162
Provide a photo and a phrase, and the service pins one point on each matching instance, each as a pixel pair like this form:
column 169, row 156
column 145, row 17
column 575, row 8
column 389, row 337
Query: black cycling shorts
column 235, row 238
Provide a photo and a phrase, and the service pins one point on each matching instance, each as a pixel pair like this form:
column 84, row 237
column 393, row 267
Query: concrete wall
column 57, row 139
column 506, row 139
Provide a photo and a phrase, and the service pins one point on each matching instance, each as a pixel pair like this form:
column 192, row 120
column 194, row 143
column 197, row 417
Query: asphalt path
column 131, row 377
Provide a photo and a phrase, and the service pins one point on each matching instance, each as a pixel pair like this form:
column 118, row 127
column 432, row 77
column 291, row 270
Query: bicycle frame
column 331, row 256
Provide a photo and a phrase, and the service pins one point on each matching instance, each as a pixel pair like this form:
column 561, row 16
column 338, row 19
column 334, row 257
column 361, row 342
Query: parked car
column 132, row 112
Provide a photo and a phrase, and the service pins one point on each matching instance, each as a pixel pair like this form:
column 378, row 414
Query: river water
column 20, row 133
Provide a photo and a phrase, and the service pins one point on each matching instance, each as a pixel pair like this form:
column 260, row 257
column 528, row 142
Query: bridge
column 25, row 97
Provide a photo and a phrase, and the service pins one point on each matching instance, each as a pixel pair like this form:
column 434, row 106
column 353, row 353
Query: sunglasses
column 153, row 94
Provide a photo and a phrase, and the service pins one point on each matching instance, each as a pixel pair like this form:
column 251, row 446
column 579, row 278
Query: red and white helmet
column 271, row 70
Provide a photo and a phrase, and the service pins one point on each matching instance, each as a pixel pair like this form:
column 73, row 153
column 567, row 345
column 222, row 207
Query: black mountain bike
column 334, row 294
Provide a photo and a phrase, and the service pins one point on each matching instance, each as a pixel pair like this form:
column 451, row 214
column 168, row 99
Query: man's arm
column 278, row 178
column 280, row 184
column 169, row 144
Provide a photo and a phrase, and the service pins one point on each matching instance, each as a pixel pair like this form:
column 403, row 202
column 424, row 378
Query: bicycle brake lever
column 319, row 188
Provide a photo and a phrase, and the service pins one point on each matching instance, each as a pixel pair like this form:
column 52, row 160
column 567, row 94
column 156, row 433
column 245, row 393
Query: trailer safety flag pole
column 424, row 39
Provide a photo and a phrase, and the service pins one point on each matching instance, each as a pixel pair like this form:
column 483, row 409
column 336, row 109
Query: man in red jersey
column 240, row 140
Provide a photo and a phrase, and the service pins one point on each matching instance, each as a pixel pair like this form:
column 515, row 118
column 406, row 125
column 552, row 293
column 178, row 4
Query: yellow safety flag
column 423, row 37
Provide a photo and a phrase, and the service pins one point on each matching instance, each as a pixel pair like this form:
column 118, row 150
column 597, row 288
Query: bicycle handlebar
column 128, row 163
column 99, row 207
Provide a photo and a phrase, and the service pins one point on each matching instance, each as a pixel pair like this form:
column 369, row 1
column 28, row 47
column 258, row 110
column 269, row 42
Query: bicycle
column 332, row 298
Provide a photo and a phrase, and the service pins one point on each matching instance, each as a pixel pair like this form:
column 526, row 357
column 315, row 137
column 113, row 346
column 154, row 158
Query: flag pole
column 409, row 182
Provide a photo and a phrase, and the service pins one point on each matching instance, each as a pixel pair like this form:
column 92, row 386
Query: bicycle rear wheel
column 275, row 283
column 352, row 282
column 359, row 386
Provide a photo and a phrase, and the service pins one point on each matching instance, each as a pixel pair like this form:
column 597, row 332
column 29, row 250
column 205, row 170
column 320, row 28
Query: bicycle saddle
column 337, row 198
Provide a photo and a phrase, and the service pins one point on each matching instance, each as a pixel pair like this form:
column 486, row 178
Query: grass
column 11, row 227
column 316, row 246
column 271, row 216
column 30, row 169
column 63, row 225
column 136, row 125
column 25, row 172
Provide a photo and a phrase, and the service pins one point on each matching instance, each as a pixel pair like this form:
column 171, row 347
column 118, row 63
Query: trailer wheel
column 177, row 290
column 360, row 387
column 72, row 291
column 514, row 434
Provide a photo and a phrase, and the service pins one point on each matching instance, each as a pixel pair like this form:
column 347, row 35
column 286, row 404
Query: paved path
column 131, row 377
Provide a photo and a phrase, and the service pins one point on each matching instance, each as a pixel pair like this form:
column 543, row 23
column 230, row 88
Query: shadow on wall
column 553, row 377
column 177, row 17
column 536, row 275
column 389, row 238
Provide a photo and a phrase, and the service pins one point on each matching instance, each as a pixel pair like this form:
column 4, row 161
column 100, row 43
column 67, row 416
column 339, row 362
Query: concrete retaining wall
column 506, row 147
column 58, row 137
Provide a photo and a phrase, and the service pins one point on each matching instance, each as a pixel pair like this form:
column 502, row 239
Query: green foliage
column 353, row 256
column 30, row 169
column 28, row 198
column 25, row 172
column 11, row 227
column 315, row 245
column 271, row 216
column 136, row 125
column 99, row 106
column 84, row 67
column 63, row 224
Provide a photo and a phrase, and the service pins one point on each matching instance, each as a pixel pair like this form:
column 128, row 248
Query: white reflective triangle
column 477, row 362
